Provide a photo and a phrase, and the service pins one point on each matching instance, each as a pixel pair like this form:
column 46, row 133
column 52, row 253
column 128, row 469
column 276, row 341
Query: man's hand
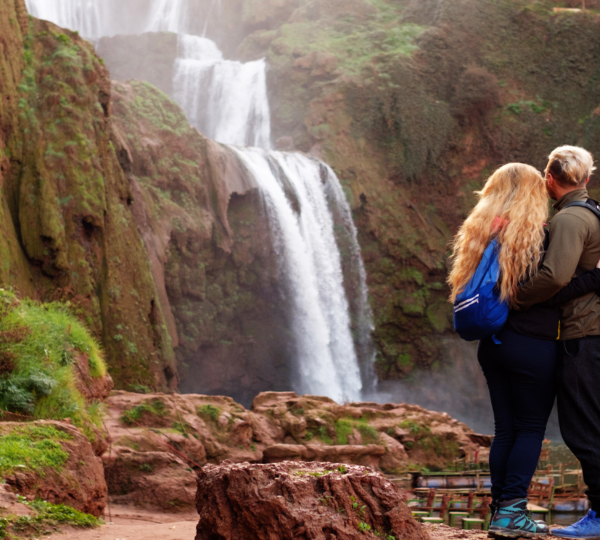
column 598, row 264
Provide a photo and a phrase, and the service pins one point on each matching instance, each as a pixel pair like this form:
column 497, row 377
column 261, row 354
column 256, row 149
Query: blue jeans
column 521, row 377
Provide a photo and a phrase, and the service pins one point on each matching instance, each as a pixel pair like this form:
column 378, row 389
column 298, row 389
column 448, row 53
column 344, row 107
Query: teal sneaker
column 511, row 520
column 587, row 527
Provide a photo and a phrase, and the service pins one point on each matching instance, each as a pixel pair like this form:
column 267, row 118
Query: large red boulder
column 299, row 500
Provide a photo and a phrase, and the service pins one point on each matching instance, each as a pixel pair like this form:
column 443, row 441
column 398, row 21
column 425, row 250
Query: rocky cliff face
column 68, row 230
column 202, row 221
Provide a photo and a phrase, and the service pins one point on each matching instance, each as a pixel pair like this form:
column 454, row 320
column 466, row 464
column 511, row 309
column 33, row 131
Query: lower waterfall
column 302, row 227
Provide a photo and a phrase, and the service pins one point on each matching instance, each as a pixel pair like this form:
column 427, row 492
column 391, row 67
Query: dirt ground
column 135, row 524
column 443, row 532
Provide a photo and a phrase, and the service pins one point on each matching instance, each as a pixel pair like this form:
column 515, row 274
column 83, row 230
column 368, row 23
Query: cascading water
column 305, row 203
column 225, row 100
column 95, row 19
column 311, row 265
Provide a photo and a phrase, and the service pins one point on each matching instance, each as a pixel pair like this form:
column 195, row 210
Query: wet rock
column 78, row 483
column 300, row 501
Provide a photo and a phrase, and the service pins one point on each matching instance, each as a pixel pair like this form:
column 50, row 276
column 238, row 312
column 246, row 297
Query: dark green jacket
column 574, row 248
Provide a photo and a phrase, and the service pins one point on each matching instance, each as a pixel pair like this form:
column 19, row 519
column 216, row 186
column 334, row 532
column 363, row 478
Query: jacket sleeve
column 568, row 236
column 579, row 286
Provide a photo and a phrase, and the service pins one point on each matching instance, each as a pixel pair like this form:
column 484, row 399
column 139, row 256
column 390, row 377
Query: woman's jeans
column 521, row 376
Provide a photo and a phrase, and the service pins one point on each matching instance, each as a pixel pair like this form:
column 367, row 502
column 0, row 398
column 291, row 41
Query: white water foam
column 311, row 265
column 225, row 100
column 94, row 19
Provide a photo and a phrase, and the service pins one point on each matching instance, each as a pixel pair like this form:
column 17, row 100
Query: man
column 574, row 248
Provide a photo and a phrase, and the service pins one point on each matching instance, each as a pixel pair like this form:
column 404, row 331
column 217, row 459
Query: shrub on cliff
column 477, row 95
column 46, row 354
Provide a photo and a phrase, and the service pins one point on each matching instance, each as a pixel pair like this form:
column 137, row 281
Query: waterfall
column 225, row 100
column 311, row 266
column 95, row 19
column 309, row 216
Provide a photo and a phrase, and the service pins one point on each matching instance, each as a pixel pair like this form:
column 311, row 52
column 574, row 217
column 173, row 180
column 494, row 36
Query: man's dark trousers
column 579, row 407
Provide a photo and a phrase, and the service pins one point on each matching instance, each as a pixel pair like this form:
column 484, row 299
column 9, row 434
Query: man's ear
column 587, row 180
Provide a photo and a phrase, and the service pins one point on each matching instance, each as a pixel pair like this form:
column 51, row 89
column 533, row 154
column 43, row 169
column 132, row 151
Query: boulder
column 299, row 500
column 149, row 480
column 75, row 478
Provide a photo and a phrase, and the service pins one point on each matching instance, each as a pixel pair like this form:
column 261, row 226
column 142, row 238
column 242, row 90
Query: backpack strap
column 590, row 204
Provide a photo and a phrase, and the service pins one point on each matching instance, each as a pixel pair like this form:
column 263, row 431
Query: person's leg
column 528, row 391
column 532, row 364
column 579, row 409
column 489, row 355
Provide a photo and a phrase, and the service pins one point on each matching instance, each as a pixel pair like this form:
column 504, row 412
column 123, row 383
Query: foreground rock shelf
column 160, row 441
column 300, row 500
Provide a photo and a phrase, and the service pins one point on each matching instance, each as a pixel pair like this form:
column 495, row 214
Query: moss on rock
column 65, row 214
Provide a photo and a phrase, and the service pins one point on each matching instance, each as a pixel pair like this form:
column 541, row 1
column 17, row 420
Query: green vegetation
column 345, row 426
column 519, row 107
column 40, row 347
column 45, row 520
column 139, row 389
column 353, row 44
column 429, row 443
column 209, row 411
column 33, row 447
column 146, row 411
column 183, row 428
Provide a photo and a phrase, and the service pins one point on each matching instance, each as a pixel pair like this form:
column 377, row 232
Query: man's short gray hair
column 570, row 165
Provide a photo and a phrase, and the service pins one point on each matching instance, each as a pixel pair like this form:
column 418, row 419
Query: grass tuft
column 135, row 414
column 40, row 345
column 209, row 411
column 34, row 448
column 46, row 519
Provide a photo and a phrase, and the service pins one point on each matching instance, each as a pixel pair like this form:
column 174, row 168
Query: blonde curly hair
column 513, row 206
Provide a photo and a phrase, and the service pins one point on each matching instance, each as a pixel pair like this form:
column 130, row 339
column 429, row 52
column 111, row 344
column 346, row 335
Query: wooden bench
column 460, row 515
column 420, row 514
column 429, row 519
column 469, row 522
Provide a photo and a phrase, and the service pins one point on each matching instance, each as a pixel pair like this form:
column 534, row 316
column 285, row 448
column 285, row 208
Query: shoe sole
column 508, row 533
column 575, row 537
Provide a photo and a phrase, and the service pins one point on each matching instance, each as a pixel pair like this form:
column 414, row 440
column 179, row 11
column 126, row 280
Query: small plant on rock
column 135, row 414
column 209, row 411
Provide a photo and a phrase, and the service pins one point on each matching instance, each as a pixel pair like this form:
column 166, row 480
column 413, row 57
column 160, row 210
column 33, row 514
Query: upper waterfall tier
column 95, row 19
column 225, row 100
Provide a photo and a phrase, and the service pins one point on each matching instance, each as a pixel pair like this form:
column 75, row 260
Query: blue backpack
column 478, row 310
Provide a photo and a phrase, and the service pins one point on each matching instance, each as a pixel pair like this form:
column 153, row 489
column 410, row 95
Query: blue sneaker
column 587, row 527
column 511, row 520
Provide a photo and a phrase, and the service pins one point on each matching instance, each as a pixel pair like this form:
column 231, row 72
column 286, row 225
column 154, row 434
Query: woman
column 520, row 363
